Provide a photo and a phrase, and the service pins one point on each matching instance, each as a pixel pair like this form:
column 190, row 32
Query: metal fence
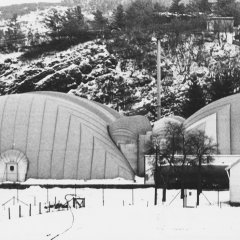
column 17, row 203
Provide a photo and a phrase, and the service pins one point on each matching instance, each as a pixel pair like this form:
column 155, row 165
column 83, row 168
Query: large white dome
column 62, row 136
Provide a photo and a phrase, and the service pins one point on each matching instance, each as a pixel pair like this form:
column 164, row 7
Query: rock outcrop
column 87, row 70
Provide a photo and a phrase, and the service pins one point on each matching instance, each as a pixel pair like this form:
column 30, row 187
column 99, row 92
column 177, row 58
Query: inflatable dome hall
column 48, row 135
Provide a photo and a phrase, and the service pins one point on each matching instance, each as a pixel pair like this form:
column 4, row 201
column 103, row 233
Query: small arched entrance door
column 13, row 166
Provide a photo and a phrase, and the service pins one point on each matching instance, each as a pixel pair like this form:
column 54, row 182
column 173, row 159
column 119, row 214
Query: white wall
column 234, row 184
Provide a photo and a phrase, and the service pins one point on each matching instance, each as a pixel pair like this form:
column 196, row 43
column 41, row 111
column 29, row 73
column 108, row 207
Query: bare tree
column 178, row 148
column 202, row 148
column 167, row 146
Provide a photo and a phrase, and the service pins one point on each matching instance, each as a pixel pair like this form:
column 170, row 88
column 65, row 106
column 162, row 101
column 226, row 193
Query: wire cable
column 66, row 230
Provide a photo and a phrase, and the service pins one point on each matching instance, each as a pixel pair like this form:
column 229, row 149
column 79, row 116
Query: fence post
column 103, row 196
column 164, row 194
column 34, row 201
column 40, row 212
column 123, row 202
column 132, row 196
column 17, row 195
column 9, row 214
column 20, row 211
column 47, row 196
column 74, row 202
column 30, row 209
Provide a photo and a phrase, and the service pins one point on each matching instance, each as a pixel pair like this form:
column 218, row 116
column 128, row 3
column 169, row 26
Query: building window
column 11, row 168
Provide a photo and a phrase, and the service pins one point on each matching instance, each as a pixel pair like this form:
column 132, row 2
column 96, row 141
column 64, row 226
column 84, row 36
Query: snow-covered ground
column 14, row 55
column 128, row 223
column 117, row 214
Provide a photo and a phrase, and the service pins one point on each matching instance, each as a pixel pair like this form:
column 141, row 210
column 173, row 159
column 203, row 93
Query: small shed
column 233, row 172
column 190, row 198
column 220, row 24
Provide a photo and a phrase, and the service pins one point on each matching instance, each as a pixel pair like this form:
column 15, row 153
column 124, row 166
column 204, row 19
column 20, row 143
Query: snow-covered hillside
column 87, row 70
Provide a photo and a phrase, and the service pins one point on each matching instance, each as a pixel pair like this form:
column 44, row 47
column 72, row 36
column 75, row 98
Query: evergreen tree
column 53, row 21
column 36, row 38
column 30, row 37
column 222, row 85
column 140, row 15
column 73, row 23
column 1, row 35
column 159, row 7
column 119, row 18
column 203, row 6
column 123, row 98
column 115, row 91
column 223, row 4
column 229, row 8
column 195, row 99
column 69, row 24
column 33, row 38
column 99, row 22
column 198, row 6
column 14, row 35
column 177, row 7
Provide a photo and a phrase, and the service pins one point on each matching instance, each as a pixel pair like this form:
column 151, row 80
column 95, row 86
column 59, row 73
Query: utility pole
column 159, row 84
column 156, row 175
column 159, row 87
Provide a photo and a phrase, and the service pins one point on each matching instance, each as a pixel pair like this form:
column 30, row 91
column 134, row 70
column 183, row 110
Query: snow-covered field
column 117, row 214
column 130, row 222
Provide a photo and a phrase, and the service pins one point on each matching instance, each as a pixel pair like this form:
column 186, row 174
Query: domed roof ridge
column 212, row 106
column 101, row 110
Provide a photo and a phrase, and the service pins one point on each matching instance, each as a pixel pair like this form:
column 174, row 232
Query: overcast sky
column 10, row 2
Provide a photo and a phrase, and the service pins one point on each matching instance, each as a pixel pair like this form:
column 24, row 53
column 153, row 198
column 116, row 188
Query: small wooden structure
column 77, row 202
column 220, row 24
column 72, row 201
column 190, row 198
